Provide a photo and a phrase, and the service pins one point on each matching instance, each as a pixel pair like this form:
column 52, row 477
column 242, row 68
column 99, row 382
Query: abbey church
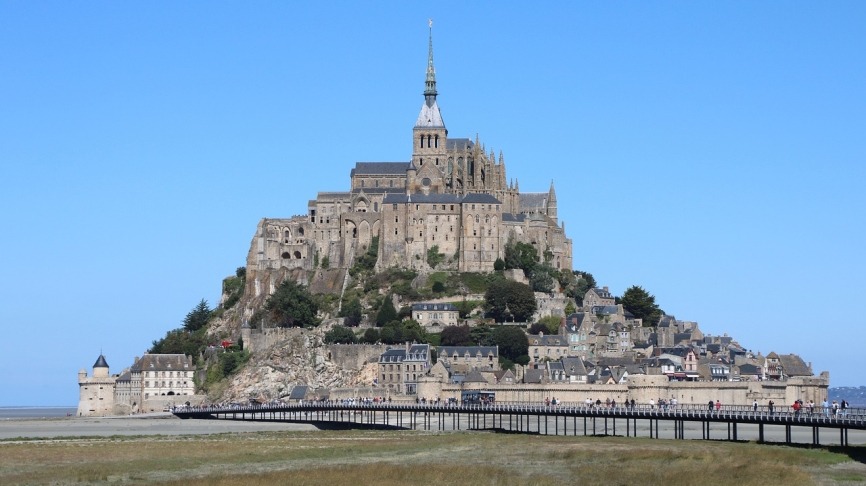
column 450, row 197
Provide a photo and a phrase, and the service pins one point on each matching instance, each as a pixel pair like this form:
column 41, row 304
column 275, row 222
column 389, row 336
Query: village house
column 435, row 315
column 400, row 368
column 462, row 359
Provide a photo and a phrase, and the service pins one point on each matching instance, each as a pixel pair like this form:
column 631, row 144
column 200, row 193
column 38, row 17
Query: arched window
column 437, row 142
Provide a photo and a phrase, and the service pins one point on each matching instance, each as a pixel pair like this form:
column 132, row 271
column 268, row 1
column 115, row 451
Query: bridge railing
column 766, row 414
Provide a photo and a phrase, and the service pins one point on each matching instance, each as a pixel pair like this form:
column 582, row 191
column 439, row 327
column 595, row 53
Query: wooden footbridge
column 678, row 422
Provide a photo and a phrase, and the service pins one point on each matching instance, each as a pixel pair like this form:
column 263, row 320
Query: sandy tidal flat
column 150, row 424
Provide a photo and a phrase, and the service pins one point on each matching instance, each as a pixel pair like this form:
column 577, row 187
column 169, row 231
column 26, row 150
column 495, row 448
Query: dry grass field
column 385, row 458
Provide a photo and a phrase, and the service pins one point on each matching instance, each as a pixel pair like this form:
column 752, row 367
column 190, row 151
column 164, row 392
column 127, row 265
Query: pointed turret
column 551, row 202
column 100, row 368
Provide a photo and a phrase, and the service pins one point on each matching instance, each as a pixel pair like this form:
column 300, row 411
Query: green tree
column 570, row 308
column 352, row 312
column 552, row 323
column 291, row 305
column 536, row 328
column 197, row 318
column 456, row 336
column 642, row 304
column 521, row 255
column 506, row 300
column 387, row 312
column 512, row 342
column 481, row 335
column 180, row 341
column 499, row 265
column 581, row 285
column 434, row 257
column 465, row 307
column 542, row 278
column 371, row 336
column 340, row 335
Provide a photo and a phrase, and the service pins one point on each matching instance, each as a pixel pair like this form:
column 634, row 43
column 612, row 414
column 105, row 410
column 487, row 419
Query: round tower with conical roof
column 96, row 393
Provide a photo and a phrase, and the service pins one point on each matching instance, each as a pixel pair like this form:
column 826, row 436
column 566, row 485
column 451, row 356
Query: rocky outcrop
column 296, row 357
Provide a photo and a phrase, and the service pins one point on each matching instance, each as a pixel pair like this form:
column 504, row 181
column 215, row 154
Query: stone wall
column 355, row 356
column 643, row 388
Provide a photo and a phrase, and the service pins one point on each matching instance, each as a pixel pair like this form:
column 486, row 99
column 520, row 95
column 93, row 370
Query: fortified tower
column 96, row 394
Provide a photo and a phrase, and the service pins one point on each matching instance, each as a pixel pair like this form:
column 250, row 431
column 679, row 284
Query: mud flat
column 148, row 424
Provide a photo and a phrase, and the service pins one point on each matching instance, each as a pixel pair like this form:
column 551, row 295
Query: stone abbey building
column 451, row 197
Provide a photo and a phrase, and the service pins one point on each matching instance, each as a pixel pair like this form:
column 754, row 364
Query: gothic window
column 362, row 182
column 436, row 140
column 487, row 219
column 376, row 207
column 391, row 183
column 477, row 219
column 301, row 231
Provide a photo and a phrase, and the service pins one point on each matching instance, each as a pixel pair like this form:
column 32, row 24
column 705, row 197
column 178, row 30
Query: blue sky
column 710, row 152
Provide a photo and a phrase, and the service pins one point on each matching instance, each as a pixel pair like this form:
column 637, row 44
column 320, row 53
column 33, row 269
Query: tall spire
column 430, row 84
column 430, row 116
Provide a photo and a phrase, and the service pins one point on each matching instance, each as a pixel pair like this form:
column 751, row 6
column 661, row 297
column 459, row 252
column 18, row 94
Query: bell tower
column 429, row 135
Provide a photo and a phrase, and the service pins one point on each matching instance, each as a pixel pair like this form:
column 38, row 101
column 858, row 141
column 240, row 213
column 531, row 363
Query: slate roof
column 459, row 143
column 605, row 310
column 601, row 292
column 430, row 116
column 333, row 195
column 100, row 362
column 380, row 168
column 163, row 362
column 474, row 376
column 574, row 321
column 417, row 352
column 573, row 366
column 533, row 376
column 433, row 307
column 480, row 198
column 532, row 200
column 750, row 369
column 682, row 336
column 793, row 365
column 513, row 218
column 450, row 351
column 549, row 340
